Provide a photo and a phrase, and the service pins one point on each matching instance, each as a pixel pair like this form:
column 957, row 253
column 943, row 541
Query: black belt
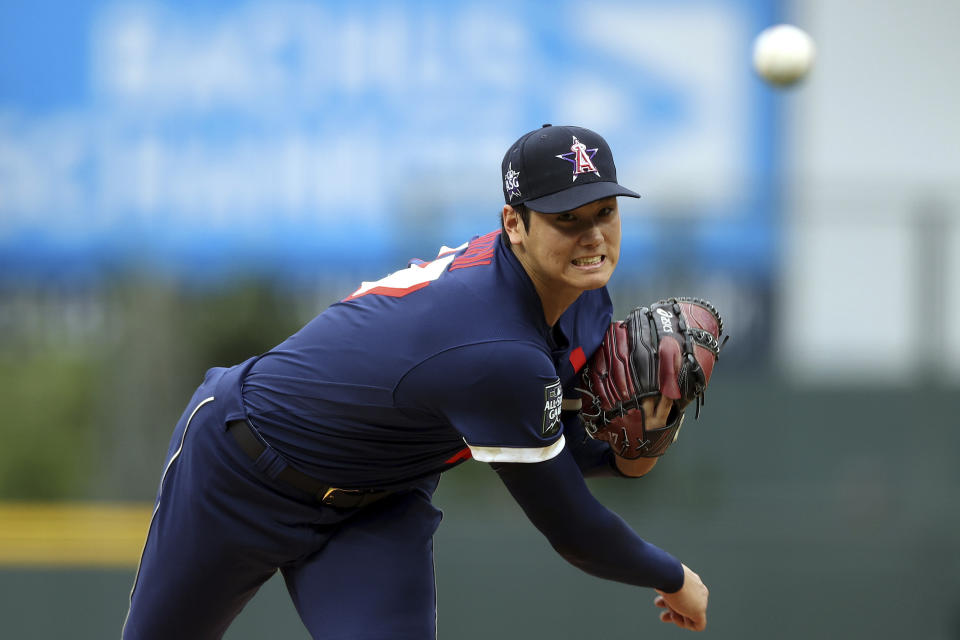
column 332, row 496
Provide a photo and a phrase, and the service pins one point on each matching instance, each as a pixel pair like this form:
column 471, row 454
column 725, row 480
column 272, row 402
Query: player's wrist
column 632, row 467
column 668, row 573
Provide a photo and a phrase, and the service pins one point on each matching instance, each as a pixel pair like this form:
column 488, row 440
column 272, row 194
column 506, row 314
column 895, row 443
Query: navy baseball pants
column 223, row 525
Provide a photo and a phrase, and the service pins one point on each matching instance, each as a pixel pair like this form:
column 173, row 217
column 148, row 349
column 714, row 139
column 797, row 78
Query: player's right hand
column 686, row 608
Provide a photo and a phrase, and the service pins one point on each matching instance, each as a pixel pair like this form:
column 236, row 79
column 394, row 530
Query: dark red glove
column 669, row 349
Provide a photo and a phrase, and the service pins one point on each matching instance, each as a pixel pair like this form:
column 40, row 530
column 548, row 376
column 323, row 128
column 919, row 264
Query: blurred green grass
column 49, row 400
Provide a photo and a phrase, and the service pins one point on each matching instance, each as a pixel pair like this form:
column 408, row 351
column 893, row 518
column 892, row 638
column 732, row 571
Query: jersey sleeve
column 555, row 498
column 503, row 397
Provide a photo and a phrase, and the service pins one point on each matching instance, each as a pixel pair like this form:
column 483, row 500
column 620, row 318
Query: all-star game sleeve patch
column 553, row 401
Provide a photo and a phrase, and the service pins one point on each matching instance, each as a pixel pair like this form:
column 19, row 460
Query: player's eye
column 566, row 217
column 606, row 212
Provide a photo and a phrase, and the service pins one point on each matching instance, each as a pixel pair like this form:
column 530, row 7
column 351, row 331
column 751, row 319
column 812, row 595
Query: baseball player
column 319, row 458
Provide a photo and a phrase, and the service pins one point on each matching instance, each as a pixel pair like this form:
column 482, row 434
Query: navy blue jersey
column 427, row 367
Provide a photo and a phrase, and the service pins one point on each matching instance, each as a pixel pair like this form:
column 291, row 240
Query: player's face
column 568, row 253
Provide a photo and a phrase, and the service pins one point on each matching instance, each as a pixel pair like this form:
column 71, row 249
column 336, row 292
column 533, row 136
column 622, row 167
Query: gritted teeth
column 584, row 262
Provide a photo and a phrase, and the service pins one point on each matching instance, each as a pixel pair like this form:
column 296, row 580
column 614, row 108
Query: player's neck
column 553, row 301
column 555, row 298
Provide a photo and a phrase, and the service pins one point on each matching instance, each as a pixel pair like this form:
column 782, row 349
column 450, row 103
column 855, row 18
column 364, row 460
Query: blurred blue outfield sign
column 302, row 135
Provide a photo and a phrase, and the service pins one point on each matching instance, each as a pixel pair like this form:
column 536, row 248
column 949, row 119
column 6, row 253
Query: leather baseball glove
column 668, row 349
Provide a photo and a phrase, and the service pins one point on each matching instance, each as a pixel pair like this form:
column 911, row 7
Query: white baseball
column 783, row 54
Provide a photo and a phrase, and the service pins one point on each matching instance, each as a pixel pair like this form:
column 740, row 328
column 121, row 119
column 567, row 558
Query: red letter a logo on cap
column 581, row 158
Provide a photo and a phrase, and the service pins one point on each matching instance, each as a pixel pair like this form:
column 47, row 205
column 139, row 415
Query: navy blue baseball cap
column 556, row 169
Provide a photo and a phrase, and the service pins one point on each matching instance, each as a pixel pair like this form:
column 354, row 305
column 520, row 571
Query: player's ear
column 513, row 224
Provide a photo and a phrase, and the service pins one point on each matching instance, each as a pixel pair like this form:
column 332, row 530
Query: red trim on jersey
column 463, row 454
column 479, row 252
column 393, row 292
column 464, row 265
column 577, row 359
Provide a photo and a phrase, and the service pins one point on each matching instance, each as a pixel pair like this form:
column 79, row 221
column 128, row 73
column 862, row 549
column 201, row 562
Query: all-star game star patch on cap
column 556, row 169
